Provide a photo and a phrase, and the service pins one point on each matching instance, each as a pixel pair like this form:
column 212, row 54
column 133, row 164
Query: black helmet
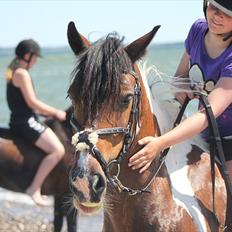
column 27, row 46
column 223, row 5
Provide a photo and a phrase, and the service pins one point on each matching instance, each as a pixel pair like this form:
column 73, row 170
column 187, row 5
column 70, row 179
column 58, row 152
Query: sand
column 19, row 214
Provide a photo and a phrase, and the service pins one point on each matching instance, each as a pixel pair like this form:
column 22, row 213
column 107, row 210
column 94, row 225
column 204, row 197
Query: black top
column 20, row 111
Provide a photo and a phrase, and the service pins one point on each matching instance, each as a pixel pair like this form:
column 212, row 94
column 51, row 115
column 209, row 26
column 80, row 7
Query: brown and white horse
column 113, row 110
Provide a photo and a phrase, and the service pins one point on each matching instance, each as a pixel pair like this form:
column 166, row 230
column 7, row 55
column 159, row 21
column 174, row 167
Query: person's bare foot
column 37, row 197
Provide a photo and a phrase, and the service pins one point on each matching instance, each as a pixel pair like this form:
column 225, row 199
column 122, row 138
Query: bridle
column 84, row 136
column 129, row 135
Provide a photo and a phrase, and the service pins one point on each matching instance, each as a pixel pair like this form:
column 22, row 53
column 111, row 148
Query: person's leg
column 50, row 144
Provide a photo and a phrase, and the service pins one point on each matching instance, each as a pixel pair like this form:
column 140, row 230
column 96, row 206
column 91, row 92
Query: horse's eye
column 125, row 100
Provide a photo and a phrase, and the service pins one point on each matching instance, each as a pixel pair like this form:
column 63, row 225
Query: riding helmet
column 27, row 46
column 223, row 5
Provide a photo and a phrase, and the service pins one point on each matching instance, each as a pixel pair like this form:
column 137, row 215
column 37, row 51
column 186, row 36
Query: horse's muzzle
column 87, row 185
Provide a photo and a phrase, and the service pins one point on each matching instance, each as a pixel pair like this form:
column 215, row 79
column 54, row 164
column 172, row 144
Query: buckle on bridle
column 110, row 166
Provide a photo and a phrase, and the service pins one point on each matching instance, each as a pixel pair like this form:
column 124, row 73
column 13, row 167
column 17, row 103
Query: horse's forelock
column 96, row 76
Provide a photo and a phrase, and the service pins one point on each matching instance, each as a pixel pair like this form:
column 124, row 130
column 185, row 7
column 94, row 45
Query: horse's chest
column 149, row 213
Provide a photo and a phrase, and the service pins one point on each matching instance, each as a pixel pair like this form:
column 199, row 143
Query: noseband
column 87, row 139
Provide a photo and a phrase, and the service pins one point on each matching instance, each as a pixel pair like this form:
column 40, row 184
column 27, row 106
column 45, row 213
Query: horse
column 19, row 161
column 113, row 109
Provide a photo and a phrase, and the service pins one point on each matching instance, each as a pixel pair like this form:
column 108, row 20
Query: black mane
column 97, row 74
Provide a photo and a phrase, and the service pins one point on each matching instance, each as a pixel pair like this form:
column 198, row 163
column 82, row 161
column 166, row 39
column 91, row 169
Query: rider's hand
column 182, row 96
column 60, row 115
column 143, row 158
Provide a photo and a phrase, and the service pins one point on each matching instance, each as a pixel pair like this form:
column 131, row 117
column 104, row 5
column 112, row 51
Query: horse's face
column 104, row 93
column 88, row 178
column 113, row 113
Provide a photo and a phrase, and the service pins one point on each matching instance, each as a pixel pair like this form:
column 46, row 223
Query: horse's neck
column 163, row 107
column 166, row 108
column 148, row 125
column 148, row 128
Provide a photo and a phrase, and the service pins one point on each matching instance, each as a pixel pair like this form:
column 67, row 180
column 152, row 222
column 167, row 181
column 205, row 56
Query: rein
column 216, row 147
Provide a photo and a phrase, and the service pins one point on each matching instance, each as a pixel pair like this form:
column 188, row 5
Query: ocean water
column 51, row 74
column 51, row 77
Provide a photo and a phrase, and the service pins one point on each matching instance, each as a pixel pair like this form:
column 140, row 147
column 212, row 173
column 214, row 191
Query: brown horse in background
column 113, row 109
column 20, row 160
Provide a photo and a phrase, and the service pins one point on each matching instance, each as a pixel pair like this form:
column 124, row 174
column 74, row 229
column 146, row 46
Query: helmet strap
column 205, row 4
column 227, row 36
column 28, row 61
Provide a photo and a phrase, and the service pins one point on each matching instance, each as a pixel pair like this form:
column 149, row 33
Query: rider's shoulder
column 20, row 76
column 21, row 73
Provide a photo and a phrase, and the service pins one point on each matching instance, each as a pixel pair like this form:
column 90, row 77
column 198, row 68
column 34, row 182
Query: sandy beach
column 19, row 214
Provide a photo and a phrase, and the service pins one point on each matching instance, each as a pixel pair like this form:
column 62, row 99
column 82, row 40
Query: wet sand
column 19, row 214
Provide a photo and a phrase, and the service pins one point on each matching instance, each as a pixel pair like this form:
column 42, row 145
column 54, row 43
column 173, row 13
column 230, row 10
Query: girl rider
column 208, row 44
column 24, row 107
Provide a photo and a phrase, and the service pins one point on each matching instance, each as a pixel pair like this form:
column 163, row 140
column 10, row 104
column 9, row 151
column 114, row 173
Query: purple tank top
column 213, row 69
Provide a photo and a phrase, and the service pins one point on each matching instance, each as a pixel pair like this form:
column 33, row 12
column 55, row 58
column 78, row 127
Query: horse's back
column 6, row 133
column 19, row 160
column 189, row 170
column 12, row 144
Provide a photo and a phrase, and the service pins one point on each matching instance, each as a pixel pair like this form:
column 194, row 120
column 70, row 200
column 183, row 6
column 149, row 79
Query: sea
column 52, row 74
column 51, row 77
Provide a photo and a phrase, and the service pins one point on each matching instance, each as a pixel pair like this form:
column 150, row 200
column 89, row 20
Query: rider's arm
column 22, row 80
column 182, row 72
column 220, row 98
column 183, row 67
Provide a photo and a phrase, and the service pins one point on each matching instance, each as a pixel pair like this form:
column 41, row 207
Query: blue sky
column 46, row 21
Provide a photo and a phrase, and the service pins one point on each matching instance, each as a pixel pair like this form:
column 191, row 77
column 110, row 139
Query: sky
column 46, row 20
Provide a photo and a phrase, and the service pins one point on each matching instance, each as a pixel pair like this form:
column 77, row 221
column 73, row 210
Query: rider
column 24, row 107
column 209, row 45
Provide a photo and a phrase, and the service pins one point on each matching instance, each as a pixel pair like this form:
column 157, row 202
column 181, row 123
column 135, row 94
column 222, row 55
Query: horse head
column 111, row 112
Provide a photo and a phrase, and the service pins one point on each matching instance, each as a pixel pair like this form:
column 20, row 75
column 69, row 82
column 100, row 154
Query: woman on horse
column 24, row 107
column 208, row 45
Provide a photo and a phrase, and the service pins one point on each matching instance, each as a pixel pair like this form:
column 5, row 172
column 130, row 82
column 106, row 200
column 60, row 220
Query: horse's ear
column 137, row 49
column 77, row 42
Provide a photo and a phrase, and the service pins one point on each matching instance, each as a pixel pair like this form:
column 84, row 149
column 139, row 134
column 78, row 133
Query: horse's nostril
column 98, row 184
column 73, row 176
